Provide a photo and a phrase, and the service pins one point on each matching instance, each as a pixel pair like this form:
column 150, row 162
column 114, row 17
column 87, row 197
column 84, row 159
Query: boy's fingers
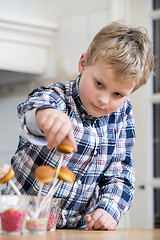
column 87, row 218
column 109, row 226
column 100, row 222
column 55, row 141
column 90, row 224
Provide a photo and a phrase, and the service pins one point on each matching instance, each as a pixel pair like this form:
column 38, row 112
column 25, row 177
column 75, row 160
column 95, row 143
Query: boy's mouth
column 99, row 108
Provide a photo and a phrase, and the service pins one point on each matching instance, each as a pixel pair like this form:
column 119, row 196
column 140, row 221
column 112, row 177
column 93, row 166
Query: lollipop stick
column 58, row 168
column 13, row 186
column 39, row 195
column 49, row 195
column 53, row 190
column 54, row 183
column 56, row 177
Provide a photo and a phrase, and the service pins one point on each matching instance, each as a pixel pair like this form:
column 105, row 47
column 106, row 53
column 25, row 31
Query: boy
column 94, row 114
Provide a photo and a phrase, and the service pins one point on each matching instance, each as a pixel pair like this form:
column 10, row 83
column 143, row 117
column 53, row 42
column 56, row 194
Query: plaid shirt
column 103, row 164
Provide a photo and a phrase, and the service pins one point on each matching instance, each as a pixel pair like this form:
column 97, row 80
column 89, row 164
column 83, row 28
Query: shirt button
column 65, row 212
column 79, row 182
column 83, row 115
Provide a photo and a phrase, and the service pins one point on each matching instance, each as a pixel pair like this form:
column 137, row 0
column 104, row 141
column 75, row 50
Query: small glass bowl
column 54, row 213
column 37, row 214
column 12, row 214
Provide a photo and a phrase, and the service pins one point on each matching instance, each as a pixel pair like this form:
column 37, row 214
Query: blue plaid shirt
column 103, row 164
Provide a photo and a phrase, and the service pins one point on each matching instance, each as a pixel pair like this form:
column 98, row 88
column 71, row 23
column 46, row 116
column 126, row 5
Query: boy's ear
column 82, row 62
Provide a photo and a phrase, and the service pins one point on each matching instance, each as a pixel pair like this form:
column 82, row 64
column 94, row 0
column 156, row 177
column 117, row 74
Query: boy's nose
column 104, row 99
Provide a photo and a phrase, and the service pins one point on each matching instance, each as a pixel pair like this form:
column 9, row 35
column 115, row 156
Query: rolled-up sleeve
column 41, row 98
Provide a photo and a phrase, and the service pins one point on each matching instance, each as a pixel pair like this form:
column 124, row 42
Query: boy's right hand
column 56, row 126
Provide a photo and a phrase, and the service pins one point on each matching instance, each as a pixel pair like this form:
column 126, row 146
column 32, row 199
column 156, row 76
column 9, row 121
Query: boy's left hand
column 100, row 219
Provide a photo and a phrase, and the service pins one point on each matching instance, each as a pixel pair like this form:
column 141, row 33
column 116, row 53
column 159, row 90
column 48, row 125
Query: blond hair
column 126, row 49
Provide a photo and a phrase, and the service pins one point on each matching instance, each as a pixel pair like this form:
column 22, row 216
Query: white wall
column 77, row 32
column 78, row 21
column 9, row 127
column 142, row 106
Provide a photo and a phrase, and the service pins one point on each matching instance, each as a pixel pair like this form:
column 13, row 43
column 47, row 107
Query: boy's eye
column 117, row 94
column 99, row 84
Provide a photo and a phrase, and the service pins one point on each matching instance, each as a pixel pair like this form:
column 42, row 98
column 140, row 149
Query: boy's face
column 101, row 91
